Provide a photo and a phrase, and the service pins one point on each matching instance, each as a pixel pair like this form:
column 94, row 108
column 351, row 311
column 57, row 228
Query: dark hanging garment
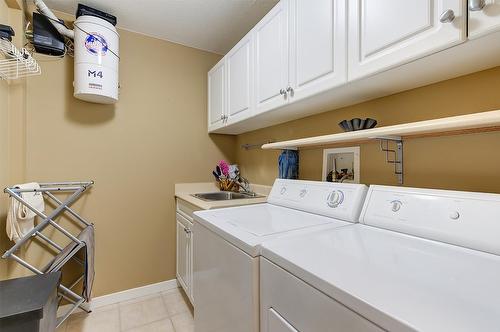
column 288, row 164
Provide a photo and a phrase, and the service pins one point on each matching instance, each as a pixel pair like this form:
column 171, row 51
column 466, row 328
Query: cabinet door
column 182, row 257
column 317, row 46
column 484, row 17
column 240, row 72
column 189, row 246
column 216, row 96
column 271, row 58
column 388, row 33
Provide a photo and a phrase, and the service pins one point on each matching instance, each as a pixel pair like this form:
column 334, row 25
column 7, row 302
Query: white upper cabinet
column 240, row 73
column 317, row 46
column 484, row 17
column 309, row 56
column 387, row 33
column 271, row 59
column 216, row 96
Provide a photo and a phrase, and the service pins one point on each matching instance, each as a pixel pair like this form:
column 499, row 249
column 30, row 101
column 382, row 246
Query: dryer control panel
column 337, row 200
column 467, row 219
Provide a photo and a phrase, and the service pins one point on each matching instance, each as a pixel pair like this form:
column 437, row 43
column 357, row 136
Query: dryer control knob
column 396, row 205
column 335, row 198
column 283, row 190
column 454, row 215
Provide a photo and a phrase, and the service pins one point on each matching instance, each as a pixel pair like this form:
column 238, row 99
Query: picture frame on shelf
column 341, row 165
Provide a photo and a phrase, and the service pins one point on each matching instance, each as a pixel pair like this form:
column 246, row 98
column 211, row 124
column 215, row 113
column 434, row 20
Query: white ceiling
column 211, row 25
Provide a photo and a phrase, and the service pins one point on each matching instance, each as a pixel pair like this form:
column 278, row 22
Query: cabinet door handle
column 222, row 117
column 283, row 93
column 447, row 17
column 187, row 230
column 290, row 90
column 476, row 5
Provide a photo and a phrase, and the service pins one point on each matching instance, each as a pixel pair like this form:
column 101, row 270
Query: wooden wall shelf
column 456, row 125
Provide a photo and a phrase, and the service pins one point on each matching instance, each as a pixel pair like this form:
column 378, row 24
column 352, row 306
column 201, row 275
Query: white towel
column 20, row 219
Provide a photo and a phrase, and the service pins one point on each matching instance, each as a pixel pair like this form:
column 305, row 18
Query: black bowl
column 357, row 124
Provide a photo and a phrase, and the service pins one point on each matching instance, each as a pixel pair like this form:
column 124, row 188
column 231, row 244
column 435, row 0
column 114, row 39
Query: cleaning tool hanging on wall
column 288, row 164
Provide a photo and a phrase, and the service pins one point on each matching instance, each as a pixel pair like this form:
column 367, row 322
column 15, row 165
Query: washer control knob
column 454, row 215
column 335, row 198
column 283, row 190
column 396, row 205
column 303, row 193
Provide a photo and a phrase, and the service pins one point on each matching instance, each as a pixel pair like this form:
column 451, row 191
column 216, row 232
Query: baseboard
column 125, row 295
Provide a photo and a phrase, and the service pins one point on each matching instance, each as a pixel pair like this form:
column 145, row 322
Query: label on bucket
column 96, row 44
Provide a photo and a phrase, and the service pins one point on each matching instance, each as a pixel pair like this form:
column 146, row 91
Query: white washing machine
column 420, row 260
column 227, row 246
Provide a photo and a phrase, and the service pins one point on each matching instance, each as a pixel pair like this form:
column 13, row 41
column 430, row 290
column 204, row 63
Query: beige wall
column 153, row 137
column 468, row 162
column 4, row 144
column 12, row 99
column 136, row 150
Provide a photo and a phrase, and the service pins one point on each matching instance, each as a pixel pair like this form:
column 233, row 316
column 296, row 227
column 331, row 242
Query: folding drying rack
column 63, row 254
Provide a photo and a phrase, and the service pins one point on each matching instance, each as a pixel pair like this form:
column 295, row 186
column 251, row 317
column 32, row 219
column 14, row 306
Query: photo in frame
column 341, row 165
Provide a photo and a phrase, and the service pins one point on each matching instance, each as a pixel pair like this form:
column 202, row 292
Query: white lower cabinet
column 185, row 254
column 393, row 32
column 288, row 304
column 484, row 17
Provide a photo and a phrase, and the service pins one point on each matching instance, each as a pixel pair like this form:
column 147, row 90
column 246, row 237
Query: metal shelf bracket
column 396, row 152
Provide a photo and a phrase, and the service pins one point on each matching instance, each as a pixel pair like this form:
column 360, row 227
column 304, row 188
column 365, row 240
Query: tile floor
column 169, row 311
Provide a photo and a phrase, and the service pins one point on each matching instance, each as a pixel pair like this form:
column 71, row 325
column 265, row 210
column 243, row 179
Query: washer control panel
column 337, row 200
column 467, row 219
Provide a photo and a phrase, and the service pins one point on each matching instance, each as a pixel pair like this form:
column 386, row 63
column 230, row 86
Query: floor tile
column 183, row 322
column 164, row 325
column 176, row 302
column 102, row 319
column 142, row 311
column 82, row 314
column 140, row 299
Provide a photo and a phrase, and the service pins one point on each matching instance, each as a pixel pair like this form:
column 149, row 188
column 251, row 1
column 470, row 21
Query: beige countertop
column 185, row 190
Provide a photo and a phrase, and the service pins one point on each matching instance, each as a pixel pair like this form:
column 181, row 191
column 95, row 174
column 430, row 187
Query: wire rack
column 16, row 63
